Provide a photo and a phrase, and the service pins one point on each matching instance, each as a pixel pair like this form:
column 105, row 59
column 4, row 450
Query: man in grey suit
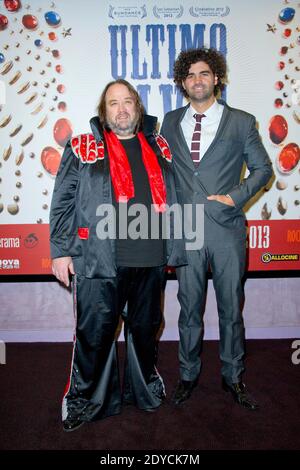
column 210, row 143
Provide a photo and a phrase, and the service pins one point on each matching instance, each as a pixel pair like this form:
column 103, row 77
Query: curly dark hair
column 214, row 59
column 132, row 91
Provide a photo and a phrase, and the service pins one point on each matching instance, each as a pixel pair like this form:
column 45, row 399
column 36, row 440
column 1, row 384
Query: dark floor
column 34, row 377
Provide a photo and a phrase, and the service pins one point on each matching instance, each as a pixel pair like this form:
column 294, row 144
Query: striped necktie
column 195, row 147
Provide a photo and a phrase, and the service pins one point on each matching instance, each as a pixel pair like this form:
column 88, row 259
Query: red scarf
column 121, row 172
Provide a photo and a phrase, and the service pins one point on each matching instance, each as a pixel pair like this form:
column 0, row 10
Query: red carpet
column 33, row 380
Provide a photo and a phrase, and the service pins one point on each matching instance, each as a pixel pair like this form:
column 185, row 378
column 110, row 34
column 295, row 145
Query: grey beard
column 123, row 131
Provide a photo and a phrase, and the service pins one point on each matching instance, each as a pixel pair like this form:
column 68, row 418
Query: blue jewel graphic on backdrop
column 52, row 18
column 38, row 43
column 286, row 15
column 2, row 58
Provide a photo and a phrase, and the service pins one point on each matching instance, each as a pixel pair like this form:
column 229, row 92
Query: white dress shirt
column 209, row 125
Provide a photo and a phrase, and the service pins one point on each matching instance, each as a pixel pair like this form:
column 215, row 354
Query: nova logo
column 9, row 264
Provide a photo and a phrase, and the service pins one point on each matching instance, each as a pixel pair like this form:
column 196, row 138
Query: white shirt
column 209, row 125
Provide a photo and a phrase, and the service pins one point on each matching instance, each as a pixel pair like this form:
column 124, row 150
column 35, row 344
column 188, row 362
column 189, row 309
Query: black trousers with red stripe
column 94, row 389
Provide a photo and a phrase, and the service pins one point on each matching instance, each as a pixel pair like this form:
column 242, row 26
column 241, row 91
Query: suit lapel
column 184, row 151
column 220, row 131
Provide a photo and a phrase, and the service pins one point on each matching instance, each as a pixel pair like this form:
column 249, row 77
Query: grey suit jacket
column 219, row 172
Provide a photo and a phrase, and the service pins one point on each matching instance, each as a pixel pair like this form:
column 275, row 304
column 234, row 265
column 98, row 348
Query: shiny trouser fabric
column 94, row 390
column 227, row 262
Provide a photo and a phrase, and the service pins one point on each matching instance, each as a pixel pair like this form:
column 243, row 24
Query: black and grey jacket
column 82, row 184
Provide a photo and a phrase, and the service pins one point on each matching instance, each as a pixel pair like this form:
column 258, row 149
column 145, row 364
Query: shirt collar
column 211, row 113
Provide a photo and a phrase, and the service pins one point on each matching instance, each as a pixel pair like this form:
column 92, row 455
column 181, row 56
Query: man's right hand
column 61, row 267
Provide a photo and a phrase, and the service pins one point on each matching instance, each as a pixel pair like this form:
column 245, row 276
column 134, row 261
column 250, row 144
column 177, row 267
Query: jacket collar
column 148, row 126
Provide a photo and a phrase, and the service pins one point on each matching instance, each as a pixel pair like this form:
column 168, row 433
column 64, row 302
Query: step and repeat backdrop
column 55, row 59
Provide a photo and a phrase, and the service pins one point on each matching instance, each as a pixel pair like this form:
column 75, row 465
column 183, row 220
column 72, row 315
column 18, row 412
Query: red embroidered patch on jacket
column 87, row 149
column 164, row 147
column 83, row 233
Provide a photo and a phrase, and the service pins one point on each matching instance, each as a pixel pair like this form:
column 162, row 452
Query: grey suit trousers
column 227, row 262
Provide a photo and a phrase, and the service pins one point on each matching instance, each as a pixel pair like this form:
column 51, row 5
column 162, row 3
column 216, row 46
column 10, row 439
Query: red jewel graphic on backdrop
column 50, row 159
column 288, row 158
column 284, row 50
column 30, row 22
column 52, row 36
column 62, row 106
column 287, row 32
column 278, row 103
column 61, row 88
column 24, row 17
column 279, row 85
column 12, row 5
column 3, row 22
column 62, row 131
column 281, row 65
column 278, row 129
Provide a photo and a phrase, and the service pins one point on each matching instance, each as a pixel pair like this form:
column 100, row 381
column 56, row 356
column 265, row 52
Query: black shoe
column 72, row 423
column 240, row 394
column 183, row 391
column 150, row 410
